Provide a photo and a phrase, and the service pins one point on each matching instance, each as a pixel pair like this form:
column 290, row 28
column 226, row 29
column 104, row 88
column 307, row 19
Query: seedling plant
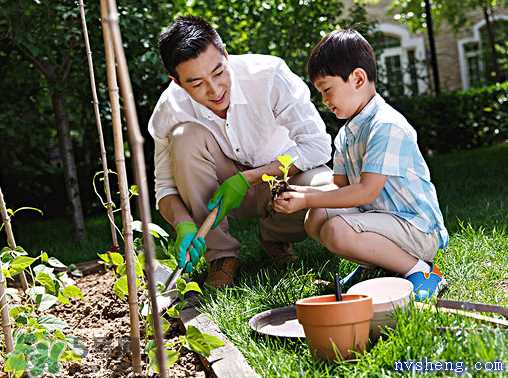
column 280, row 185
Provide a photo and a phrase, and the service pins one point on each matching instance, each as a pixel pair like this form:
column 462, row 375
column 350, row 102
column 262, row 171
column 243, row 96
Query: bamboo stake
column 107, row 189
column 136, row 142
column 11, row 242
column 4, row 305
column 6, row 321
column 124, row 190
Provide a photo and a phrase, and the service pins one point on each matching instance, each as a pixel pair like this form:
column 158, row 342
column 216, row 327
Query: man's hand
column 185, row 238
column 229, row 196
column 290, row 202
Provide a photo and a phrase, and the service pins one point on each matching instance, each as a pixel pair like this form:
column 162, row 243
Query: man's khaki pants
column 199, row 166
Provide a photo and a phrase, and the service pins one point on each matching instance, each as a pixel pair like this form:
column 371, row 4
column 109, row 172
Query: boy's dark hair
column 185, row 39
column 339, row 53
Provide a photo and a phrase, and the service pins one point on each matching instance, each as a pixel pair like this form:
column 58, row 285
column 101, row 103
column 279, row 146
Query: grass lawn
column 473, row 195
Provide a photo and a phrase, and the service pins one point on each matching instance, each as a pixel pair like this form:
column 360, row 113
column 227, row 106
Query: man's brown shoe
column 280, row 252
column 222, row 272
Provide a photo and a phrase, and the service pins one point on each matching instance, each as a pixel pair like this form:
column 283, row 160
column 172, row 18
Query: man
column 218, row 128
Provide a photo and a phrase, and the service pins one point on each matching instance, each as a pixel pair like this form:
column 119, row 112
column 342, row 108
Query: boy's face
column 207, row 80
column 343, row 98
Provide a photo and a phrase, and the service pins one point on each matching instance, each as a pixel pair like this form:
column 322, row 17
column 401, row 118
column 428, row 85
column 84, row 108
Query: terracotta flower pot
column 336, row 326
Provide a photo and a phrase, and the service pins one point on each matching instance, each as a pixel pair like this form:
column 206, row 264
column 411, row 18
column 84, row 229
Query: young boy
column 382, row 209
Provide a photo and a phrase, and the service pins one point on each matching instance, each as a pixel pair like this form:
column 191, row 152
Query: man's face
column 207, row 80
column 341, row 97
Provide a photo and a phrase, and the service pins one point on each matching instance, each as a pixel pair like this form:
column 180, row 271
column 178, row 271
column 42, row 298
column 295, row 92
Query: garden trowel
column 202, row 232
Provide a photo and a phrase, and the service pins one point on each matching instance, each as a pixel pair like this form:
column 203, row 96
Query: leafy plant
column 194, row 339
column 40, row 344
column 279, row 186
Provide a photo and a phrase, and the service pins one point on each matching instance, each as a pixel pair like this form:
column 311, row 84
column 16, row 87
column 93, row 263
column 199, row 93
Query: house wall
column 446, row 41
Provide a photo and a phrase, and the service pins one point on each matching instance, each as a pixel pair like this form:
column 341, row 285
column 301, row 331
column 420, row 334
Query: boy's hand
column 289, row 202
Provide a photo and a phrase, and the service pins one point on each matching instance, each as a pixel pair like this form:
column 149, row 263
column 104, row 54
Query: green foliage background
column 49, row 31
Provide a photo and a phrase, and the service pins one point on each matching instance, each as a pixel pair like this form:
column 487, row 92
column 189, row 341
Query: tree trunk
column 432, row 44
column 492, row 42
column 70, row 171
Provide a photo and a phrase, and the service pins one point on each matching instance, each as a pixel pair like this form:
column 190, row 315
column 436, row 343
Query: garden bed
column 101, row 322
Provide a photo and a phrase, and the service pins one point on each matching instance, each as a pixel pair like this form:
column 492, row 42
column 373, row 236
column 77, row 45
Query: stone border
column 224, row 362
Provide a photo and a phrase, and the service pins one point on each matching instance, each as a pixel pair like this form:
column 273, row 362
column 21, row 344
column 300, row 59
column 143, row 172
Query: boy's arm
column 363, row 193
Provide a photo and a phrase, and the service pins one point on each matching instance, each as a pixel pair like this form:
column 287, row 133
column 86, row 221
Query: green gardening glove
column 229, row 196
column 185, row 238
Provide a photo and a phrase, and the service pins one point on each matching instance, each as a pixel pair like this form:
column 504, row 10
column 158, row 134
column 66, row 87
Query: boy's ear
column 359, row 77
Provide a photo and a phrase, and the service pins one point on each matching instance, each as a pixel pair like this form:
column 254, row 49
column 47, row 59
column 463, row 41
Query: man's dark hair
column 339, row 53
column 185, row 39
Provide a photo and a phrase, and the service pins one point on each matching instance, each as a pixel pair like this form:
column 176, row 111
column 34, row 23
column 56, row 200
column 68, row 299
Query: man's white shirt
column 270, row 113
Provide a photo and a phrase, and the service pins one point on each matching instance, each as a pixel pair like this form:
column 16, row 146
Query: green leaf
column 20, row 263
column 267, row 178
column 116, row 258
column 45, row 301
column 47, row 281
column 192, row 286
column 170, row 263
column 52, row 323
column 286, row 160
column 181, row 285
column 44, row 257
column 15, row 363
column 202, row 343
column 72, row 291
column 33, row 291
column 106, row 258
column 120, row 288
column 56, row 350
column 54, row 262
column 63, row 299
column 172, row 356
column 154, row 229
column 133, row 190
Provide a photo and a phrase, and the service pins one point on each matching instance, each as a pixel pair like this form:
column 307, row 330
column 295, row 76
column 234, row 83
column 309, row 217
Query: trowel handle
column 205, row 227
column 207, row 224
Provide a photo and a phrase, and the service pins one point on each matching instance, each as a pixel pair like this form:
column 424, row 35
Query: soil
column 278, row 189
column 101, row 322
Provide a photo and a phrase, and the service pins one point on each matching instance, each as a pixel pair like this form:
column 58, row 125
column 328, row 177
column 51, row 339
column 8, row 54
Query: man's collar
column 355, row 123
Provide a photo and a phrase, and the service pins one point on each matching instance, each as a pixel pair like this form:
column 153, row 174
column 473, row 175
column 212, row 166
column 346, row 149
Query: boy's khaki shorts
column 401, row 232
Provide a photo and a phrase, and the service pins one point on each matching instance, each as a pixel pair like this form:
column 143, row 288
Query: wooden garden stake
column 11, row 242
column 136, row 143
column 124, row 191
column 4, row 305
column 109, row 204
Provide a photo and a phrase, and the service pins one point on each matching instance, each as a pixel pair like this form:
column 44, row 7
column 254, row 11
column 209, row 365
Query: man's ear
column 359, row 77
column 226, row 53
column 174, row 79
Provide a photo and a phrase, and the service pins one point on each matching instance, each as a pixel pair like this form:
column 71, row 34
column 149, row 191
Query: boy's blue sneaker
column 425, row 285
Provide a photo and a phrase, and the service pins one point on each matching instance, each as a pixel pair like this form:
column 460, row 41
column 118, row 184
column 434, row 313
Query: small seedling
column 279, row 186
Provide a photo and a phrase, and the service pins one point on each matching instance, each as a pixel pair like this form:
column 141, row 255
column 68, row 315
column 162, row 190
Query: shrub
column 458, row 120
column 451, row 121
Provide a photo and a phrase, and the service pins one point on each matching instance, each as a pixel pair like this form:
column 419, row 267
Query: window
column 476, row 59
column 400, row 65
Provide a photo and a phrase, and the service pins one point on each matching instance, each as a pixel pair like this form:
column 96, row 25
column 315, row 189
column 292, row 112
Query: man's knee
column 318, row 176
column 314, row 220
column 189, row 138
